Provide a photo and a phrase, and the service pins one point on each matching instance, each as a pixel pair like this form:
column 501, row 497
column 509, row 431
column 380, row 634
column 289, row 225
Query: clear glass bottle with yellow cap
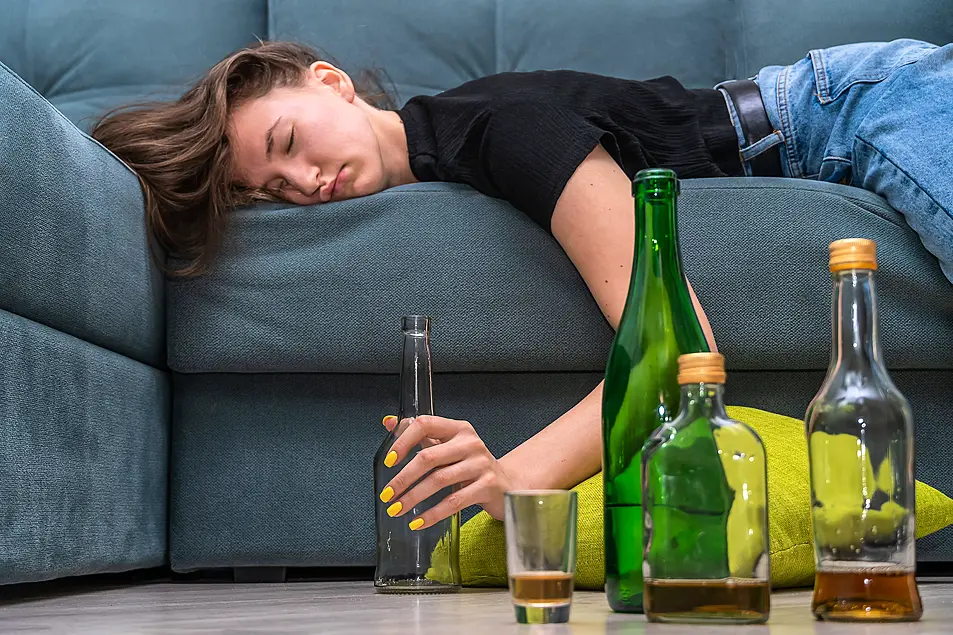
column 704, row 484
column 860, row 447
column 411, row 559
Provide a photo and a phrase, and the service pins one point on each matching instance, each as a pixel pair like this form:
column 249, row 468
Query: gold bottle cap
column 701, row 368
column 853, row 253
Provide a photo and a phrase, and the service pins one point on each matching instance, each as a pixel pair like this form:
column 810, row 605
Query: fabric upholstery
column 336, row 280
column 422, row 47
column 636, row 40
column 448, row 251
column 783, row 32
column 426, row 46
column 83, row 457
column 73, row 248
column 766, row 240
column 139, row 49
column 275, row 469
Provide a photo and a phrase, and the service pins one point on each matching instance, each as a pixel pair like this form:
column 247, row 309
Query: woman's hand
column 453, row 454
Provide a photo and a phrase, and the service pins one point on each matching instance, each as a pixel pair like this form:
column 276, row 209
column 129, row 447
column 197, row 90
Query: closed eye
column 291, row 140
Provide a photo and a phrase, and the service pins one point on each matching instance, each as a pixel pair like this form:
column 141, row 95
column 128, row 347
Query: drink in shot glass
column 541, row 553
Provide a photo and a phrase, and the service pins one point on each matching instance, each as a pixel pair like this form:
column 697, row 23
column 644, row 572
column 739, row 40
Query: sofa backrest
column 431, row 45
column 92, row 55
column 89, row 56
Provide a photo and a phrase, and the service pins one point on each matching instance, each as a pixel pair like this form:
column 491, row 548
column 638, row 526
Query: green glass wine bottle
column 641, row 390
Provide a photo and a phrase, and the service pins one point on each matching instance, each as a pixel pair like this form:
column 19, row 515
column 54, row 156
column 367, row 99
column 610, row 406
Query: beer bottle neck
column 856, row 335
column 416, row 377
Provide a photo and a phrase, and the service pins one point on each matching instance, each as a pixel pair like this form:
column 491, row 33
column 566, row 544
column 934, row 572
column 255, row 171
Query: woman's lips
column 338, row 184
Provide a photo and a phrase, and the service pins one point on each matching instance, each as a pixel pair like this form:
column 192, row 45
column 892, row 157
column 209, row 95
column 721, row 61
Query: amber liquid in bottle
column 865, row 594
column 701, row 600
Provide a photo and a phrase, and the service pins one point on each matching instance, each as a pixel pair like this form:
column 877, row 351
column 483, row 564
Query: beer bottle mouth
column 416, row 323
column 656, row 181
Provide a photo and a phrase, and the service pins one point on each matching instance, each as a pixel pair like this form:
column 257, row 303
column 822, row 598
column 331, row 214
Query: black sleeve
column 530, row 150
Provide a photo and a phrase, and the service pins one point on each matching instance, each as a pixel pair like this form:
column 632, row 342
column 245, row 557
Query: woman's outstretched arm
column 594, row 223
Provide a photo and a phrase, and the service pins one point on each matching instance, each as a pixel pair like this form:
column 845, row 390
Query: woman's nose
column 308, row 180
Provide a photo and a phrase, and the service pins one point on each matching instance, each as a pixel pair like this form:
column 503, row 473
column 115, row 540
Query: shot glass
column 541, row 553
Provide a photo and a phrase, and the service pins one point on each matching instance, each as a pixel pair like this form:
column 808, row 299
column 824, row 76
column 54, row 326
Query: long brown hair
column 180, row 149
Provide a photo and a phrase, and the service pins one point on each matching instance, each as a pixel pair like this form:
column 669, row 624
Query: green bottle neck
column 659, row 297
column 656, row 233
column 703, row 401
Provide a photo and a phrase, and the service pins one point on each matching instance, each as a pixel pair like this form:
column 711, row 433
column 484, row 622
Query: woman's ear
column 334, row 78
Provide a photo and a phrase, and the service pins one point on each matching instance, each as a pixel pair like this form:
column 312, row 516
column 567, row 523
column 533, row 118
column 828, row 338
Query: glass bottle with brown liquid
column 704, row 496
column 860, row 447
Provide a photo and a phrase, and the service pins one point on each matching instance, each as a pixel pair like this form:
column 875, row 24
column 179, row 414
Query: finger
column 437, row 428
column 395, row 425
column 453, row 503
column 428, row 441
column 435, row 419
column 461, row 472
column 427, row 460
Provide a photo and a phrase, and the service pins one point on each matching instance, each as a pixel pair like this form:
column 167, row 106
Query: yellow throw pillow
column 483, row 548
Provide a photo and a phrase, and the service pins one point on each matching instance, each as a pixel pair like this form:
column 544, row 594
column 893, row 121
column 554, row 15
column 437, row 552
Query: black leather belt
column 746, row 97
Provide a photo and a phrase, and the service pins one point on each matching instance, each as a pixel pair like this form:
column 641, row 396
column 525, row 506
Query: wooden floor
column 352, row 608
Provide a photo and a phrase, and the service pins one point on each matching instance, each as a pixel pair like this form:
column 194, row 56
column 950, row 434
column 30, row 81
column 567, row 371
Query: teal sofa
column 229, row 422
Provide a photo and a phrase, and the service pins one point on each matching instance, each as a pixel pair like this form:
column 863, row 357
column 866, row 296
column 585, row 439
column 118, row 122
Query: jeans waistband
column 757, row 140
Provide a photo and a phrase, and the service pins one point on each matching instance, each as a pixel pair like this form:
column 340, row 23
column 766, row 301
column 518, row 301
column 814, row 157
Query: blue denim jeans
column 877, row 116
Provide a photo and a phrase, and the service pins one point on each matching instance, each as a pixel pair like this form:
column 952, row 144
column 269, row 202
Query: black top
column 520, row 136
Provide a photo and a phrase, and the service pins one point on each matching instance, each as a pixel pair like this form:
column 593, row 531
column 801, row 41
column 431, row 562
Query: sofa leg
column 259, row 574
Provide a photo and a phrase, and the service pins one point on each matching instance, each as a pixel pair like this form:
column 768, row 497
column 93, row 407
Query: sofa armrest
column 73, row 244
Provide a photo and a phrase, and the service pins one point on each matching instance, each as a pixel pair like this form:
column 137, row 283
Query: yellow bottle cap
column 701, row 368
column 853, row 253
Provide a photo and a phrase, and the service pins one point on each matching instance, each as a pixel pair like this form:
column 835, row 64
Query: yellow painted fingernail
column 391, row 459
column 387, row 494
column 394, row 509
column 384, row 421
column 416, row 524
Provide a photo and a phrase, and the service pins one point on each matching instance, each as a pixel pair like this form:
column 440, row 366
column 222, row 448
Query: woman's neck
column 393, row 145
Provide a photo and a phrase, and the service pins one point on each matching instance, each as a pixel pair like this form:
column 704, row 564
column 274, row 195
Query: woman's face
column 311, row 143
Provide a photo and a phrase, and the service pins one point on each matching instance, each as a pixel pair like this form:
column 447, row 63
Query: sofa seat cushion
column 322, row 289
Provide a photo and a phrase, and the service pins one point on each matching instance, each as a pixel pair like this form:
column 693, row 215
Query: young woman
column 277, row 122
